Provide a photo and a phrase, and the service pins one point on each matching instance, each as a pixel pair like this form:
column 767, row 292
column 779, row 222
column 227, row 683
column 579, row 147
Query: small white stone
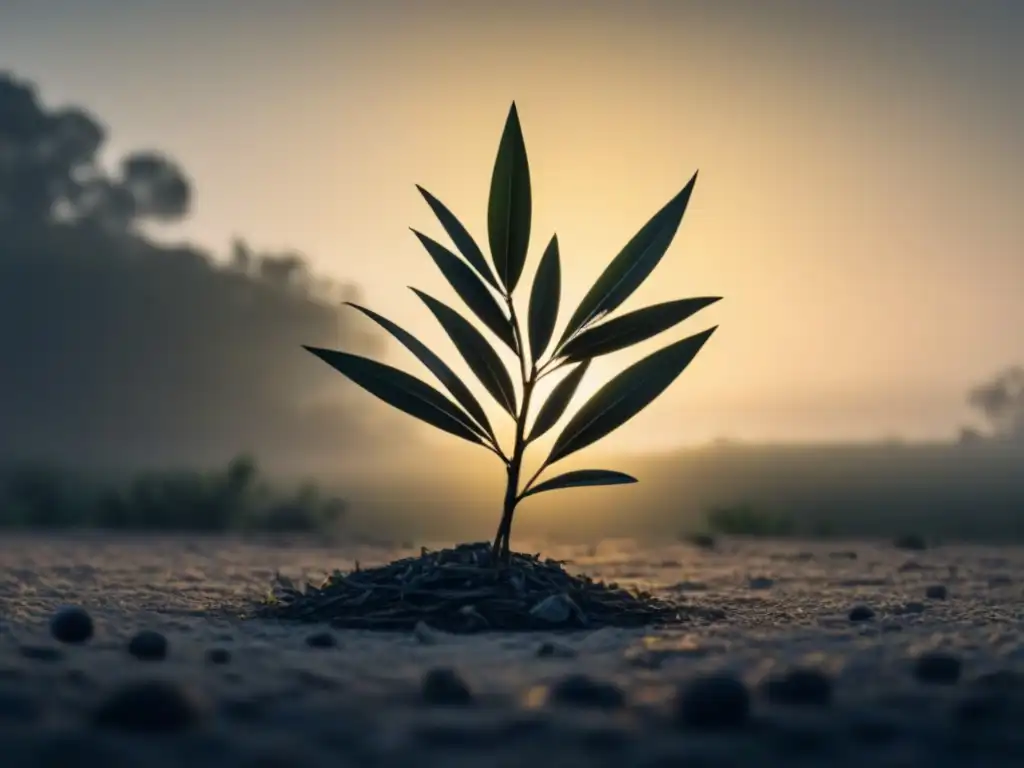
column 555, row 609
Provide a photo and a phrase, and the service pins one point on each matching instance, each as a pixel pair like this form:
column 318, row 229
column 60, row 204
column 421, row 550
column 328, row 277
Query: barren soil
column 278, row 701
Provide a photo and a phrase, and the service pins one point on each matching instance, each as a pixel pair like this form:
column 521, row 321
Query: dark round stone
column 936, row 592
column 148, row 645
column 586, row 692
column 800, row 688
column 861, row 613
column 937, row 668
column 71, row 625
column 444, row 686
column 218, row 656
column 713, row 702
column 321, row 640
column 151, row 706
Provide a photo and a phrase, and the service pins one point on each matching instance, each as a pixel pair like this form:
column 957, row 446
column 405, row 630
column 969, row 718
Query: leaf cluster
column 486, row 287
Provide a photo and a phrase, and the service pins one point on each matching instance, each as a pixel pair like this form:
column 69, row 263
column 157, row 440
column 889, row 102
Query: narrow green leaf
column 460, row 236
column 626, row 395
column 437, row 367
column 509, row 208
column 582, row 477
column 558, row 401
column 632, row 328
column 402, row 391
column 478, row 354
column 634, row 263
column 547, row 288
column 471, row 290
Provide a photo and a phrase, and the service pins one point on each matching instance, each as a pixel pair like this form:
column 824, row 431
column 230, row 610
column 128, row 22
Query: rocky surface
column 835, row 653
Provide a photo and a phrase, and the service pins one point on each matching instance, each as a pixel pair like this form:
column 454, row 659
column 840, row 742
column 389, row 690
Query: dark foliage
column 122, row 351
column 235, row 498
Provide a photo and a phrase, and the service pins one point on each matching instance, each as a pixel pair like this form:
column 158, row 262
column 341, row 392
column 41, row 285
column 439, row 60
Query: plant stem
column 500, row 550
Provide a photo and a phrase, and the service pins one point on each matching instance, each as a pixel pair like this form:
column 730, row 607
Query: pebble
column 761, row 582
column 938, row 668
column 148, row 645
column 800, row 688
column 424, row 634
column 443, row 686
column 861, row 613
column 218, row 656
column 936, row 592
column 151, row 706
column 71, row 625
column 584, row 692
column 321, row 640
column 549, row 650
column 713, row 702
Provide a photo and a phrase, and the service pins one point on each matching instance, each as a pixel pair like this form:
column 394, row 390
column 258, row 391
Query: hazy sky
column 861, row 168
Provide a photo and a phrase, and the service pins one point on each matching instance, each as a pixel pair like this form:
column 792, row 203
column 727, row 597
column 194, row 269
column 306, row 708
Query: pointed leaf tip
column 632, row 266
column 438, row 367
column 509, row 207
column 460, row 236
column 633, row 327
column 470, row 289
column 558, row 401
column 544, row 300
column 581, row 478
column 402, row 391
column 626, row 395
column 478, row 354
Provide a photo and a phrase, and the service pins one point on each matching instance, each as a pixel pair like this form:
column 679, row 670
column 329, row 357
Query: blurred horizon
column 860, row 178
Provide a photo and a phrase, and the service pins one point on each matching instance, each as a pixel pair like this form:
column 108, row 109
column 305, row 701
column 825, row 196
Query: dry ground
column 278, row 701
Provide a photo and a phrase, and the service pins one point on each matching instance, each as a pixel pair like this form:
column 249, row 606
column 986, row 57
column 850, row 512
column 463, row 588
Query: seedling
column 487, row 289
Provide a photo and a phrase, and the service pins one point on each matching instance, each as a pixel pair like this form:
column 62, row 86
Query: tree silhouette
column 1001, row 401
column 120, row 350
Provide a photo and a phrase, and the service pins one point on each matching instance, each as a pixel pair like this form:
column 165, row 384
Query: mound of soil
column 463, row 590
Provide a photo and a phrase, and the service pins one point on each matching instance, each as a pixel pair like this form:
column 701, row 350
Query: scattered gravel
column 795, row 673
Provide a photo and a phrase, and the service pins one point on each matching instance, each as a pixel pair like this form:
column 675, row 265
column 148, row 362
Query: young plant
column 488, row 294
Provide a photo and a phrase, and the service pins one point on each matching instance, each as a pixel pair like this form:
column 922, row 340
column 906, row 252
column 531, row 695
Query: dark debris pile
column 461, row 590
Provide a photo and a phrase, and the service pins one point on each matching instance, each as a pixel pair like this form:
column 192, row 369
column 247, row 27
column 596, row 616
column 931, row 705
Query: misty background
column 858, row 207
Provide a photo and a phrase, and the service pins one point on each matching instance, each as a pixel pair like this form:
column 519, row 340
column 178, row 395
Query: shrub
column 235, row 498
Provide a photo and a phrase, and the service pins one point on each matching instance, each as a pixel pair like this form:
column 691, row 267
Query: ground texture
column 902, row 658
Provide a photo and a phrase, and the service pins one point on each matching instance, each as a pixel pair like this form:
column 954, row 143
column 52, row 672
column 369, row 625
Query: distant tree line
column 116, row 349
column 1000, row 401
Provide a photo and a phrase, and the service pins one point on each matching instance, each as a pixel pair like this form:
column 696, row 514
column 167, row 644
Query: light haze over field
column 859, row 201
